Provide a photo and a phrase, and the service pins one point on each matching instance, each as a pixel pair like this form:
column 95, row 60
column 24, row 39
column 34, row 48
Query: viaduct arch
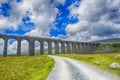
column 71, row 46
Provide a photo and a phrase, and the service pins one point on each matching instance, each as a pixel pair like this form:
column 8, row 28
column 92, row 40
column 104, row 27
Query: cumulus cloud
column 42, row 14
column 97, row 19
column 37, row 33
column 77, row 28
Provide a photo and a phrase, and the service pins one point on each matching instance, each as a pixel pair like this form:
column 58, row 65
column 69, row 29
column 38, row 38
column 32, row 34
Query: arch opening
column 24, row 47
column 37, row 48
column 59, row 44
column 45, row 47
column 1, row 46
column 53, row 48
column 12, row 47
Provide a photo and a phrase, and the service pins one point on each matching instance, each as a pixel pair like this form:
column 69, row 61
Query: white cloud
column 37, row 32
column 60, row 2
column 41, row 12
column 97, row 19
column 81, row 26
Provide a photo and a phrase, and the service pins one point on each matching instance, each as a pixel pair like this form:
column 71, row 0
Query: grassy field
column 25, row 67
column 103, row 59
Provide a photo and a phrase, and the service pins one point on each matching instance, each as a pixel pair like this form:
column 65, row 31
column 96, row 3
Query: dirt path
column 69, row 69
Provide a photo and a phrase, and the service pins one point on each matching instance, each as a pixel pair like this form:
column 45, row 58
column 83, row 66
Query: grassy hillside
column 25, row 67
column 113, row 40
column 109, row 47
column 103, row 59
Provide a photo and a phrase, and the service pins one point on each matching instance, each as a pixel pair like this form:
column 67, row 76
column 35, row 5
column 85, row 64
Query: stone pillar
column 73, row 47
column 73, row 50
column 68, row 47
column 84, row 47
column 19, row 47
column 95, row 47
column 76, row 47
column 49, row 47
column 56, row 48
column 87, row 47
column 81, row 51
column 79, row 47
column 91, row 48
column 63, row 47
column 5, row 48
column 31, row 48
column 41, row 47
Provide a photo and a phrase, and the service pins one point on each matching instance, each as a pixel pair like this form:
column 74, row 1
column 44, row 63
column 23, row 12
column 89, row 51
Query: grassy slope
column 25, row 68
column 114, row 47
column 104, row 60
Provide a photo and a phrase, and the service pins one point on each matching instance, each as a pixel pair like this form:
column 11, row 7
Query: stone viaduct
column 66, row 46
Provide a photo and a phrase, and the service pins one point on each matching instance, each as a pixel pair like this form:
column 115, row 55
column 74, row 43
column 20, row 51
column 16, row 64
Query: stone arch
column 90, row 47
column 37, row 47
column 73, row 45
column 53, row 47
column 62, row 47
column 65, row 47
column 56, row 47
column 24, row 47
column 12, row 46
column 79, row 46
column 84, row 47
column 2, row 42
column 68, row 47
column 58, row 51
column 45, row 47
column 87, row 47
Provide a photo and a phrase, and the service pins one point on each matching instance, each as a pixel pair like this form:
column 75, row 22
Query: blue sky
column 61, row 18
column 81, row 20
column 78, row 20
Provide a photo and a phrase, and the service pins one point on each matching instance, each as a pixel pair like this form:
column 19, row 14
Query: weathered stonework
column 66, row 46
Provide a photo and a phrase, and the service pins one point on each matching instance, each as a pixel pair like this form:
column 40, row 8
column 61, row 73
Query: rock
column 97, row 62
column 114, row 65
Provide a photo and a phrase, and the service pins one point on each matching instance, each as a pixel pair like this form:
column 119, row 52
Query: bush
column 115, row 45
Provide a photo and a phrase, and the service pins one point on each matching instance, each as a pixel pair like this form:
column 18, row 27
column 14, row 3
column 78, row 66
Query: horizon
column 78, row 20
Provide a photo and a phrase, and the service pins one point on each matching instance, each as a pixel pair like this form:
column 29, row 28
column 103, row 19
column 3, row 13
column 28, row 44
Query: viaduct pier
column 66, row 46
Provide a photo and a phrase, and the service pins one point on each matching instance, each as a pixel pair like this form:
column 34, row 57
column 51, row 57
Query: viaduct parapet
column 66, row 46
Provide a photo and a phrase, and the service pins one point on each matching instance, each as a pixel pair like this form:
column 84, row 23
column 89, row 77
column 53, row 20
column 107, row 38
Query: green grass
column 103, row 59
column 114, row 47
column 25, row 67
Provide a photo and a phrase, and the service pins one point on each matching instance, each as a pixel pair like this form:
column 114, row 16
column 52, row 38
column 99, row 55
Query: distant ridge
column 112, row 40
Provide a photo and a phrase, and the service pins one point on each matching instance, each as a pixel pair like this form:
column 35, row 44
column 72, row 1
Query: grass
column 103, row 59
column 25, row 67
column 113, row 47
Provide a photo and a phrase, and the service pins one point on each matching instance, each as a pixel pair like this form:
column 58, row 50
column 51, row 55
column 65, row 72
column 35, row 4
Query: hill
column 112, row 40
